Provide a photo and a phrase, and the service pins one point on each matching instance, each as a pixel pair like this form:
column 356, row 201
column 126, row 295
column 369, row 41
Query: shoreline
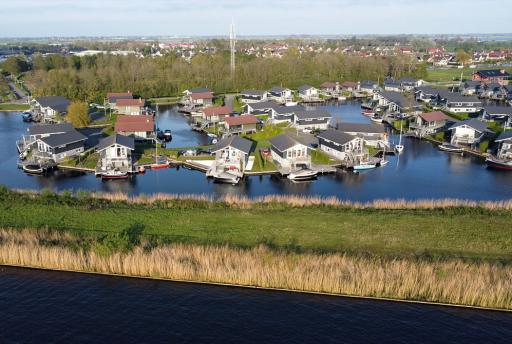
column 255, row 287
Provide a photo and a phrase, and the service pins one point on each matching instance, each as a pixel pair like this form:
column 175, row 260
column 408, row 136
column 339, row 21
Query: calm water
column 42, row 306
column 421, row 172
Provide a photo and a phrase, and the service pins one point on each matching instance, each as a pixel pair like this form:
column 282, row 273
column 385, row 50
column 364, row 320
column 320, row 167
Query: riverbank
column 452, row 282
column 455, row 252
column 14, row 107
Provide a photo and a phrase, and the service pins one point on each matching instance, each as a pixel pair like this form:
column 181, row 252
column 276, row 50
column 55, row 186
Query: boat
column 399, row 148
column 23, row 155
column 342, row 98
column 383, row 162
column 366, row 106
column 302, row 174
column 376, row 119
column 33, row 169
column 167, row 135
column 114, row 174
column 364, row 166
column 160, row 161
column 450, row 148
column 368, row 112
column 290, row 104
column 226, row 177
column 499, row 164
column 26, row 116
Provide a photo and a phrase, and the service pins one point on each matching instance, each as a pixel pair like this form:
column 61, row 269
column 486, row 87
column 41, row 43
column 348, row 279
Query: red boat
column 159, row 166
column 499, row 164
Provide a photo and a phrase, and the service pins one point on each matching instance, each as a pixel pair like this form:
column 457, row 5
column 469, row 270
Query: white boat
column 342, row 98
column 399, row 148
column 450, row 148
column 499, row 164
column 364, row 166
column 302, row 174
column 383, row 163
column 290, row 104
column 376, row 119
column 226, row 177
column 33, row 169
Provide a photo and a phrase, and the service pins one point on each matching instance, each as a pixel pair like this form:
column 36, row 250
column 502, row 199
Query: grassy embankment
column 441, row 251
column 14, row 107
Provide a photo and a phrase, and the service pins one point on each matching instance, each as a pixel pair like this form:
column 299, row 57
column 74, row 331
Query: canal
column 422, row 171
column 59, row 307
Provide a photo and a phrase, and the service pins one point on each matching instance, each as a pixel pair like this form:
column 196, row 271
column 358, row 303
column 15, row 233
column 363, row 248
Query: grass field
column 457, row 232
column 453, row 74
column 14, row 107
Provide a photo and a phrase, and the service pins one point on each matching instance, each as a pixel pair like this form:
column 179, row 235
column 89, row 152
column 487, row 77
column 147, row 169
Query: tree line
column 89, row 78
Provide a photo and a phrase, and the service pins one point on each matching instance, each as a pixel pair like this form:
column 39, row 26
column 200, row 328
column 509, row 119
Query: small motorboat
column 167, row 135
column 290, row 104
column 26, row 116
column 114, row 174
column 33, row 169
column 159, row 166
column 450, row 148
column 399, row 149
column 362, row 166
column 342, row 98
column 226, row 177
column 499, row 164
column 368, row 113
column 383, row 163
column 303, row 174
column 376, row 119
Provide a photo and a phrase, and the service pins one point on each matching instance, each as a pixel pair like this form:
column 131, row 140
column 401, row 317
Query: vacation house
column 57, row 147
column 47, row 109
column 115, row 154
column 498, row 113
column 215, row 115
column 263, row 108
column 468, row 132
column 308, row 93
column 140, row 127
column 499, row 76
column 253, row 96
column 369, row 87
column 112, row 98
column 340, row 145
column 311, row 119
column 395, row 102
column 289, row 152
column 197, row 97
column 232, row 155
column 373, row 134
column 428, row 123
column 132, row 107
column 329, row 88
column 281, row 95
column 245, row 124
column 504, row 142
column 455, row 102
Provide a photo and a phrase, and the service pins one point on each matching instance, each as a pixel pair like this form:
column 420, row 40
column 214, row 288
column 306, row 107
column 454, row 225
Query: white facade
column 466, row 135
column 298, row 154
column 232, row 159
column 341, row 152
column 309, row 93
column 57, row 154
column 116, row 157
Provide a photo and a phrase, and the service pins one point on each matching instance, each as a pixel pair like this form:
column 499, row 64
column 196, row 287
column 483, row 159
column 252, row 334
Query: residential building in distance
column 428, row 123
column 216, row 114
column 132, row 107
column 253, row 96
column 340, row 145
column 140, row 127
column 308, row 93
column 311, row 119
column 197, row 98
column 487, row 76
column 112, row 98
column 47, row 109
column 281, row 95
column 244, row 124
column 456, row 102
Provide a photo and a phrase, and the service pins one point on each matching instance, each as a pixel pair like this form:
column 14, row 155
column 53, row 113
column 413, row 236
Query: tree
column 78, row 114
column 15, row 65
column 462, row 56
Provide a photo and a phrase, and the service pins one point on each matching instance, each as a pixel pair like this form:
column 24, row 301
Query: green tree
column 78, row 114
column 462, row 56
column 15, row 65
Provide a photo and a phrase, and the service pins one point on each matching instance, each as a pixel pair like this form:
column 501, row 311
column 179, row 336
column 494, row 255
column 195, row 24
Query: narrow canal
column 421, row 172
column 44, row 306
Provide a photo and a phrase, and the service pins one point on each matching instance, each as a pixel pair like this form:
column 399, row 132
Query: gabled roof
column 283, row 142
column 113, row 96
column 304, row 88
column 492, row 73
column 239, row 120
column 199, row 90
column 434, row 116
column 369, row 84
column 312, row 114
column 236, row 142
column 336, row 136
column 217, row 110
column 202, row 95
column 125, row 141
column 57, row 103
column 263, row 105
column 351, row 84
column 505, row 136
column 408, row 80
column 473, row 123
column 45, row 129
column 64, row 138
column 328, row 84
column 282, row 109
column 397, row 98
column 366, row 128
column 427, row 90
column 498, row 110
column 452, row 97
column 130, row 102
column 253, row 92
column 277, row 89
column 133, row 124
column 471, row 83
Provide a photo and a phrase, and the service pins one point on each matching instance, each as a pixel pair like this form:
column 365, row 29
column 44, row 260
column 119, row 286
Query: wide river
column 421, row 172
column 58, row 307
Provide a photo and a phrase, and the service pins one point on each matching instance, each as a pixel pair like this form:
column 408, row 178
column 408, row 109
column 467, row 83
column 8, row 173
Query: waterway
column 40, row 306
column 422, row 171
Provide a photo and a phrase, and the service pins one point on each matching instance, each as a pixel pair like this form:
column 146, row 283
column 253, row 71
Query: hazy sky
column 36, row 18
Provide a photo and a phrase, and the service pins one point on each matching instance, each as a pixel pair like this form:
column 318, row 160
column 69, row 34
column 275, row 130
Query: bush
column 484, row 145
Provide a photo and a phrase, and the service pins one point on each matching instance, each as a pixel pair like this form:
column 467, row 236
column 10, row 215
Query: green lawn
column 12, row 106
column 89, row 161
column 453, row 74
column 320, row 158
column 261, row 164
column 460, row 232
column 268, row 131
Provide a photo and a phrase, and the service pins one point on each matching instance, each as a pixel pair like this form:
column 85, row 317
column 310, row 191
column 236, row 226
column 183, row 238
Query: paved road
column 21, row 96
column 230, row 100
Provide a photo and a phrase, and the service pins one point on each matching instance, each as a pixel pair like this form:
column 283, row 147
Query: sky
column 65, row 18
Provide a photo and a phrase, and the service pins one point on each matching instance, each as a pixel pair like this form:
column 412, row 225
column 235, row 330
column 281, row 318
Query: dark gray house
column 60, row 146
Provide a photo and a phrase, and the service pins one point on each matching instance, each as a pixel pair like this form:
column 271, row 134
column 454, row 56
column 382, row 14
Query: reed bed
column 238, row 201
column 452, row 281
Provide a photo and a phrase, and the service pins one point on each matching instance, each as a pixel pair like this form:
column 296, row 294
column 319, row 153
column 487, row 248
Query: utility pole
column 232, row 45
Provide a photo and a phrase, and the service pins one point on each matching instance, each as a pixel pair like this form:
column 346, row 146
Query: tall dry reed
column 455, row 281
